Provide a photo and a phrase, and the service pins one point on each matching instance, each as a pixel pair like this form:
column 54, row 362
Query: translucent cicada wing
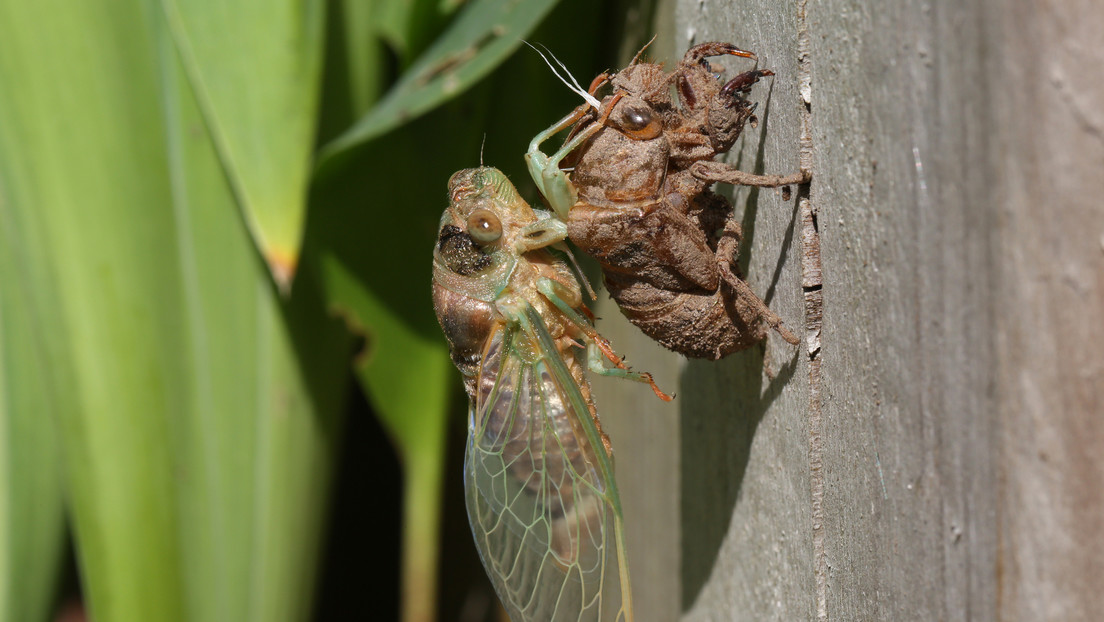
column 541, row 498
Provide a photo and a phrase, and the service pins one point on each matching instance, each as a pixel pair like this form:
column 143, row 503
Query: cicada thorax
column 466, row 283
column 625, row 162
column 621, row 170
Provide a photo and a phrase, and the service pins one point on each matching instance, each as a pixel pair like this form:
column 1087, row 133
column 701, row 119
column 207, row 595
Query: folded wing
column 541, row 496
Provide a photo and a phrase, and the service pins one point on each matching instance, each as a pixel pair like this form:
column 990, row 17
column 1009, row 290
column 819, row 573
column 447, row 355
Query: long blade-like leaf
column 31, row 517
column 266, row 376
column 83, row 165
column 256, row 66
column 198, row 410
column 482, row 36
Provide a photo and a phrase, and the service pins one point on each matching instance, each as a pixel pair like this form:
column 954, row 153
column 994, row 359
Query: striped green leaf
column 198, row 424
column 256, row 67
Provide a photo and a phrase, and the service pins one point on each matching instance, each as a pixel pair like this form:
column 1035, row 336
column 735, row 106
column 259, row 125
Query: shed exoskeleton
column 632, row 181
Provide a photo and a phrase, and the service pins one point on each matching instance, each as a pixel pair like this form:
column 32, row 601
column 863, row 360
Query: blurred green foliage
column 208, row 210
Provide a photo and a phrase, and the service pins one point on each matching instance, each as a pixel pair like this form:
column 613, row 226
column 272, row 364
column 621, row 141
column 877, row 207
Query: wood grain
column 935, row 450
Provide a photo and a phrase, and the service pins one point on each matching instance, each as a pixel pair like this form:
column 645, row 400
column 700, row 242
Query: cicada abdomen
column 541, row 495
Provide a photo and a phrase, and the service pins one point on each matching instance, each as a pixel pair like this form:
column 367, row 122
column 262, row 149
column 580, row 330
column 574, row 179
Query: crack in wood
column 811, row 283
column 812, row 286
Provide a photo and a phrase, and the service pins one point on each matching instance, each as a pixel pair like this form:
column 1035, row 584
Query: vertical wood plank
column 1049, row 392
column 945, row 463
column 901, row 138
column 745, row 536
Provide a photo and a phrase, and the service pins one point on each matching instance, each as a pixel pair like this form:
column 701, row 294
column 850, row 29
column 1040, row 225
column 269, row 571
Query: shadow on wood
column 722, row 405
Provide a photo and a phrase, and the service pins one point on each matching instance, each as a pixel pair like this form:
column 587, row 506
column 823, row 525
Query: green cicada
column 538, row 475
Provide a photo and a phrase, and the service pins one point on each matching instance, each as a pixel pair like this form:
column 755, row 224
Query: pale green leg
column 596, row 362
column 545, row 171
column 540, row 234
column 555, row 292
column 549, row 232
column 596, row 358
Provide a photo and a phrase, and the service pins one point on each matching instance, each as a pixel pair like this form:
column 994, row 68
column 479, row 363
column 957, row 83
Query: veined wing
column 541, row 497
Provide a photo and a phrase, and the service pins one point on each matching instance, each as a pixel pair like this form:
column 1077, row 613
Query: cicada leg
column 597, row 355
column 551, row 232
column 545, row 171
column 598, row 347
column 546, row 232
column 598, row 81
column 552, row 182
column 727, row 248
column 725, row 173
column 701, row 51
column 743, row 82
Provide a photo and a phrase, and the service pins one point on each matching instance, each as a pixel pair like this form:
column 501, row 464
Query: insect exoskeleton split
column 541, row 496
column 631, row 187
column 632, row 181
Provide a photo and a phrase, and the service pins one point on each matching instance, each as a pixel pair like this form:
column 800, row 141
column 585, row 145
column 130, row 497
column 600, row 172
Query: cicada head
column 475, row 239
column 474, row 258
column 645, row 107
column 646, row 81
column 485, row 205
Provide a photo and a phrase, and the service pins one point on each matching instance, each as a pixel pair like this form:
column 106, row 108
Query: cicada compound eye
column 638, row 122
column 483, row 226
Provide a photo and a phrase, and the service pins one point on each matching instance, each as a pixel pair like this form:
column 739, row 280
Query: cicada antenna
column 637, row 57
column 574, row 84
column 481, row 145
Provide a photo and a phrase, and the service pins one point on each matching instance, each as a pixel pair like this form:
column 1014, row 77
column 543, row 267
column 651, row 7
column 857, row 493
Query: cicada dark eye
column 638, row 123
column 483, row 226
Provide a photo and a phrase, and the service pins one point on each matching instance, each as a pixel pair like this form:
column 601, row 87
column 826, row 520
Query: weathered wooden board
column 941, row 455
column 901, row 134
column 1047, row 72
column 746, row 528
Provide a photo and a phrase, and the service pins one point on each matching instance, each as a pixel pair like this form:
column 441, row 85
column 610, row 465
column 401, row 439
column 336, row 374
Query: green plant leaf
column 411, row 25
column 198, row 410
column 480, row 38
column 256, row 66
column 267, row 375
column 31, row 514
column 361, row 56
column 79, row 140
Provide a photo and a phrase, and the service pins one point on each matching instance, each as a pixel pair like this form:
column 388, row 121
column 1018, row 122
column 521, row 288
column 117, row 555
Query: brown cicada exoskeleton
column 633, row 181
